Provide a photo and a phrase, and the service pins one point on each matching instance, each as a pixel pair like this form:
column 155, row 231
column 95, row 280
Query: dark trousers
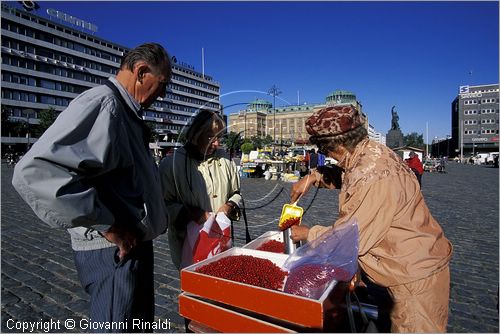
column 419, row 177
column 120, row 291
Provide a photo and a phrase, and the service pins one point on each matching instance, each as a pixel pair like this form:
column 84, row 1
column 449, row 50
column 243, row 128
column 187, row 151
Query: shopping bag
column 203, row 241
column 332, row 256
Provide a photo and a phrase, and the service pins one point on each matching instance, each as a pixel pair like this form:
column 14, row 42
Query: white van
column 480, row 158
column 490, row 159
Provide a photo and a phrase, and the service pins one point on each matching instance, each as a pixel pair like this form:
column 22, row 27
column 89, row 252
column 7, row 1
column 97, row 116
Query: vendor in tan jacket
column 401, row 246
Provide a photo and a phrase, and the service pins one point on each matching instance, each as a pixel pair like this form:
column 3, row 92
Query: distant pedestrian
column 321, row 159
column 442, row 165
column 416, row 166
column 93, row 174
column 313, row 159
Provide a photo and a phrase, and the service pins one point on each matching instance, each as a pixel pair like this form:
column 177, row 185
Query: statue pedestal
column 394, row 138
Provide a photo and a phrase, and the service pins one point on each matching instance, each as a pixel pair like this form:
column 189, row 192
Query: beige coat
column 204, row 184
column 399, row 240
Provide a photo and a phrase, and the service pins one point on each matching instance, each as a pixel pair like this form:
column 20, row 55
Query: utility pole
column 448, row 137
column 461, row 129
column 426, row 140
column 274, row 91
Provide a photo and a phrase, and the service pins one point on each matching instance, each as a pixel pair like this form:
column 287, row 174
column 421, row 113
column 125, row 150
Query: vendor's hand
column 356, row 281
column 301, row 187
column 124, row 238
column 299, row 233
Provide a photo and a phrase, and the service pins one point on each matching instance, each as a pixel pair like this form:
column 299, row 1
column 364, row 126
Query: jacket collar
column 349, row 159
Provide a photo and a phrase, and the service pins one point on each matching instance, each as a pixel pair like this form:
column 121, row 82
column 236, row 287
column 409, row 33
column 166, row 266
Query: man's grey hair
column 153, row 54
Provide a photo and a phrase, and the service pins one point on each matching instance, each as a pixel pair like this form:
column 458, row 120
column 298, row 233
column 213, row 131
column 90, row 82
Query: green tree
column 257, row 141
column 46, row 118
column 232, row 141
column 414, row 140
column 153, row 135
column 6, row 123
column 247, row 147
column 267, row 140
column 12, row 128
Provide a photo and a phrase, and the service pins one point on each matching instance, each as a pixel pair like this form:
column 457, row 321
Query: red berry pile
column 246, row 269
column 273, row 246
column 310, row 279
column 289, row 222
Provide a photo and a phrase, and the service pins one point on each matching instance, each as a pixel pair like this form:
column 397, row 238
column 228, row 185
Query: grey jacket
column 91, row 168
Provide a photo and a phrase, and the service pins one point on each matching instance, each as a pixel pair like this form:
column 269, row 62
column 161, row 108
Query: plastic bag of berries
column 332, row 256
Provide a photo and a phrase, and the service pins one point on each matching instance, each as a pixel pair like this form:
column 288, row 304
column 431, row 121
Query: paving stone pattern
column 39, row 280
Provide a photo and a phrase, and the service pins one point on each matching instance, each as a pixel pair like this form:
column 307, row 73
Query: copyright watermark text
column 86, row 324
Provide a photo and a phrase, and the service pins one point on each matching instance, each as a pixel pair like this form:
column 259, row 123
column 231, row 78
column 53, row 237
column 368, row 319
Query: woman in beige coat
column 197, row 180
column 401, row 246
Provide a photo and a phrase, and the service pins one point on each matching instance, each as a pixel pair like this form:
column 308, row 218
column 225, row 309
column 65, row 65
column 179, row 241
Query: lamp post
column 28, row 113
column 461, row 129
column 448, row 137
column 274, row 91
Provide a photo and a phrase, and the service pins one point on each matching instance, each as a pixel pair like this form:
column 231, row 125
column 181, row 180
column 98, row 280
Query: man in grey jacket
column 92, row 173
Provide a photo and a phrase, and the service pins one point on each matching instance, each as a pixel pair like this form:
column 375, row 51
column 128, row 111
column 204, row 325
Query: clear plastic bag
column 332, row 256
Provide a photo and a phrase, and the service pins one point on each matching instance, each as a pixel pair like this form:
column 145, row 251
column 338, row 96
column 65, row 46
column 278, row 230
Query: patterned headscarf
column 334, row 121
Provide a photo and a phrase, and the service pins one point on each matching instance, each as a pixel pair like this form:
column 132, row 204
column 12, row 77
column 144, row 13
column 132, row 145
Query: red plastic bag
column 206, row 240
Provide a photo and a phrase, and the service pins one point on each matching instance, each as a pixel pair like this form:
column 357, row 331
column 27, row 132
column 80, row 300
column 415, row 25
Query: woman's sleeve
column 234, row 181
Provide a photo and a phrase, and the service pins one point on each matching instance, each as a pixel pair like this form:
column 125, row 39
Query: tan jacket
column 399, row 240
column 187, row 182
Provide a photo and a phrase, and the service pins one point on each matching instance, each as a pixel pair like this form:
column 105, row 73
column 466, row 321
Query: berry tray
column 268, row 236
column 282, row 307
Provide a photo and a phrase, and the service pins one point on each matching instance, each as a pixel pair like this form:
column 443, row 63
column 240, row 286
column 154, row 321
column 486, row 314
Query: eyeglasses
column 213, row 138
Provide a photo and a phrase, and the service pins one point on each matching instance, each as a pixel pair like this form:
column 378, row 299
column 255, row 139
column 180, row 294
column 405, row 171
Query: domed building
column 339, row 97
column 259, row 105
column 285, row 124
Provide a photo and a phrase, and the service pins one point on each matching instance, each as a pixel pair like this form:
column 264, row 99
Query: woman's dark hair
column 203, row 122
column 152, row 53
column 349, row 140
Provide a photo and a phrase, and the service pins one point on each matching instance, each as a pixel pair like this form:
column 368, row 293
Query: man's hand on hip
column 124, row 238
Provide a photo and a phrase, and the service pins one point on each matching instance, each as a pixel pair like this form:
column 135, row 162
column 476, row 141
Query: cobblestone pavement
column 39, row 281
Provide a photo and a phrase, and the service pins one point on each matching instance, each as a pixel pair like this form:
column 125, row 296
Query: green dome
column 259, row 104
column 342, row 92
column 341, row 96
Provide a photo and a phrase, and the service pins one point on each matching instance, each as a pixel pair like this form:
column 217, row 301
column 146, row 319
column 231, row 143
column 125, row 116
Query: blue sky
column 413, row 55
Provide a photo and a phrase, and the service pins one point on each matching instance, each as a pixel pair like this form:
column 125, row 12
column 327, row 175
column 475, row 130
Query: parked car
column 430, row 165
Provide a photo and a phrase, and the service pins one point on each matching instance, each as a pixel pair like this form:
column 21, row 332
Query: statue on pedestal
column 394, row 137
column 395, row 119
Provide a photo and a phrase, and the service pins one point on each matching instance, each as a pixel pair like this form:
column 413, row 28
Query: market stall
column 248, row 289
column 228, row 306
